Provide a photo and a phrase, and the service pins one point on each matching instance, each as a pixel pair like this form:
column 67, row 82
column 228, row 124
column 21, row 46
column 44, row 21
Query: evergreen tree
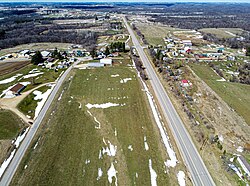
column 37, row 58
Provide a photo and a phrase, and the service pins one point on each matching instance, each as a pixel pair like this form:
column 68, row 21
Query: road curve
column 10, row 171
column 196, row 167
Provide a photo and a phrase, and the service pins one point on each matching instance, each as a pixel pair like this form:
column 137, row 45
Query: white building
column 106, row 61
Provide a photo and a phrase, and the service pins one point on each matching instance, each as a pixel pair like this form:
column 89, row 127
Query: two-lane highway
column 199, row 173
column 10, row 171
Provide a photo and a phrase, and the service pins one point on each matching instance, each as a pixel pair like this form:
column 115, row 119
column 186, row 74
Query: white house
column 106, row 61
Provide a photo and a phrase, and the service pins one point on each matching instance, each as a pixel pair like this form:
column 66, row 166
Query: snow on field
column 21, row 137
column 35, row 70
column 87, row 161
column 60, row 97
column 110, row 151
column 130, row 148
column 36, row 143
column 115, row 132
column 89, row 113
column 6, row 163
column 32, row 75
column 125, row 80
column 112, row 173
column 173, row 160
column 99, row 174
column 5, row 91
column 181, row 178
column 99, row 124
column 153, row 174
column 145, row 143
column 9, row 80
column 104, row 105
column 236, row 170
column 80, row 105
column 43, row 98
column 222, row 79
column 116, row 75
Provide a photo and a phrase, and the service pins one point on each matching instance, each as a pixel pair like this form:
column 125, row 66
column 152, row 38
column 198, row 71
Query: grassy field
column 36, row 46
column 28, row 105
column 222, row 32
column 70, row 142
column 10, row 125
column 154, row 34
column 236, row 95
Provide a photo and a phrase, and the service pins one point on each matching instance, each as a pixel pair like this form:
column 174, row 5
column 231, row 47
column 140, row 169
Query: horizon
column 125, row 1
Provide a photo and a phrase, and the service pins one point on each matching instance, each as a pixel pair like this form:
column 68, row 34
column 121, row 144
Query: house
column 17, row 89
column 244, row 164
column 95, row 65
column 45, row 54
column 187, row 42
column 185, row 83
column 106, row 61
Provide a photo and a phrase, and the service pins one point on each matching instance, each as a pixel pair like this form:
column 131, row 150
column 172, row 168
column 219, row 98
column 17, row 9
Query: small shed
column 106, row 61
column 17, row 89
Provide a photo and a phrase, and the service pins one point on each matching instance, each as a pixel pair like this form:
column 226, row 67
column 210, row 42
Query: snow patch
column 112, row 173
column 60, row 97
column 145, row 143
column 115, row 132
column 104, row 105
column 222, row 79
column 173, row 160
column 87, row 161
column 99, row 174
column 116, row 75
column 43, row 98
column 130, row 148
column 153, row 174
column 125, row 80
column 110, row 151
column 20, row 138
column 99, row 124
column 32, row 75
column 6, row 163
column 181, row 178
column 9, row 80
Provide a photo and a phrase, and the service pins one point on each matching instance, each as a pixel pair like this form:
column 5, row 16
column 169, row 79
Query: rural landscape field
column 124, row 93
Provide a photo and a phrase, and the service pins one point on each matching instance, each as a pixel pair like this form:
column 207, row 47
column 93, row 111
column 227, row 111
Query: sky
column 161, row 1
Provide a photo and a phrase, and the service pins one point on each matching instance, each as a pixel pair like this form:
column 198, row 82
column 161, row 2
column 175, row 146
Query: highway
column 195, row 165
column 10, row 171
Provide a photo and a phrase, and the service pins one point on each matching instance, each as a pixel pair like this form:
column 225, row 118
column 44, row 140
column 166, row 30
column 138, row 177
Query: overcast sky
column 231, row 1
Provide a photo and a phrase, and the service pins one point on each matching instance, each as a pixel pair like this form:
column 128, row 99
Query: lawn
column 236, row 95
column 71, row 140
column 10, row 125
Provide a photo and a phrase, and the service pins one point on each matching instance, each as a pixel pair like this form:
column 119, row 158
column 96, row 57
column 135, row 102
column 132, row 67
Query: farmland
column 223, row 32
column 155, row 34
column 84, row 141
column 234, row 94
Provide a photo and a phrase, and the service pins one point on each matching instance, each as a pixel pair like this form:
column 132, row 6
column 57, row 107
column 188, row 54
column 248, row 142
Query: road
column 10, row 171
column 199, row 173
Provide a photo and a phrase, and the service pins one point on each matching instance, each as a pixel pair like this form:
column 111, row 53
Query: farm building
column 17, row 89
column 106, row 61
column 95, row 65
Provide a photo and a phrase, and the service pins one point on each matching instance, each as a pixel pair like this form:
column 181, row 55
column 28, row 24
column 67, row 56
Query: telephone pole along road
column 10, row 171
column 196, row 167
